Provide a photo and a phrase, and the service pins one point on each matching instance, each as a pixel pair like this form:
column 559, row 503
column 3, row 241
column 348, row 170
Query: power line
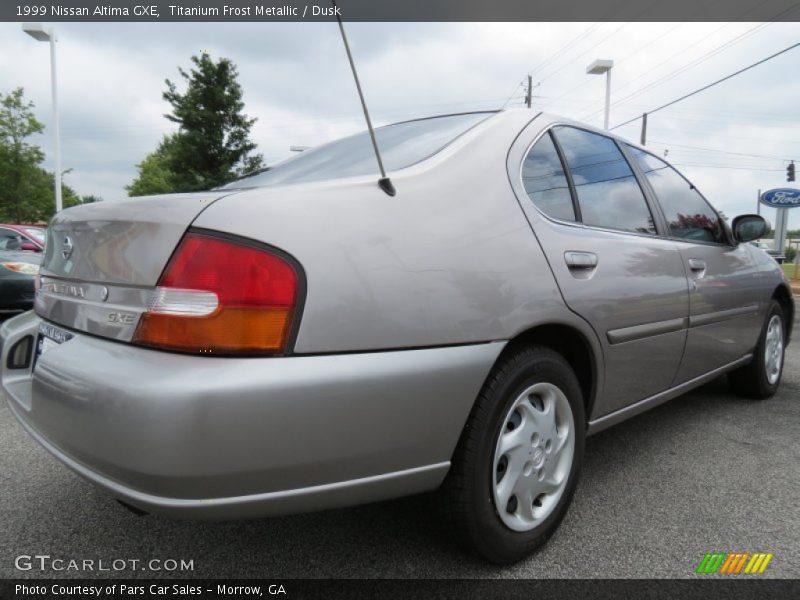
column 701, row 59
column 520, row 84
column 705, row 87
column 647, row 45
column 733, row 168
column 584, row 53
column 552, row 57
column 565, row 47
column 716, row 150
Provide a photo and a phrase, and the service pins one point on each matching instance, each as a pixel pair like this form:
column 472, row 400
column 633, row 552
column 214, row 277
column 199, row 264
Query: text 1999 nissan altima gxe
column 301, row 340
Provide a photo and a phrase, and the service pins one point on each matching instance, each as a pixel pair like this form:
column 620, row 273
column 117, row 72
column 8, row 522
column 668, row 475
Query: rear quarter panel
column 449, row 260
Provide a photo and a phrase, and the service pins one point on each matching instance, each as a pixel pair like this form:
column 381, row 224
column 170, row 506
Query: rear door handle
column 580, row 260
column 695, row 264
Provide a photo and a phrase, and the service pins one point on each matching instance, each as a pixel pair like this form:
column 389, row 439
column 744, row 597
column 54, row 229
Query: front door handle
column 695, row 264
column 580, row 260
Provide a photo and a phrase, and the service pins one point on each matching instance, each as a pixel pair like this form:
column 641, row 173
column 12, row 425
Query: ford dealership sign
column 781, row 198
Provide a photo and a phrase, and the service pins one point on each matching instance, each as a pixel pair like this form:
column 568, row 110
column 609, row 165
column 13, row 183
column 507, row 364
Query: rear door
column 724, row 312
column 601, row 237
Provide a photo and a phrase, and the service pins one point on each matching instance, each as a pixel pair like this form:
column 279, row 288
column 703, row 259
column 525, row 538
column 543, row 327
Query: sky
column 730, row 140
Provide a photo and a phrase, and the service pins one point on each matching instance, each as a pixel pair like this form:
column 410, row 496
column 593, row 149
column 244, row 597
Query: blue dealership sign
column 781, row 198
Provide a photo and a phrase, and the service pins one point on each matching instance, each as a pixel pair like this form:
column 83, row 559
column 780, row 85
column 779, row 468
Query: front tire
column 517, row 463
column 761, row 377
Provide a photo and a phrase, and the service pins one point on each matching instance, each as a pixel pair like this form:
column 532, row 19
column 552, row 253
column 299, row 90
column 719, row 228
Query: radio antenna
column 384, row 182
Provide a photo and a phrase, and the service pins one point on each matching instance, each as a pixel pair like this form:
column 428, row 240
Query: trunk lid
column 102, row 260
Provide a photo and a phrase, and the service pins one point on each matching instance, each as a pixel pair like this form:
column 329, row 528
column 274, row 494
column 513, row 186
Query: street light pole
column 608, row 97
column 39, row 33
column 599, row 67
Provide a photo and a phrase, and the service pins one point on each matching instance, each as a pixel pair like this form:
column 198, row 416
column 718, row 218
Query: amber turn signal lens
column 232, row 331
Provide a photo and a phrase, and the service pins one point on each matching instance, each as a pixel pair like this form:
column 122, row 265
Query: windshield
column 401, row 145
column 35, row 233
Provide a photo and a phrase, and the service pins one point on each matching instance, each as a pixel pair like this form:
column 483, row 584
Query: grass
column 789, row 270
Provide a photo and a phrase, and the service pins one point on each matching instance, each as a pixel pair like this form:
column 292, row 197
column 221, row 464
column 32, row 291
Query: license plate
column 50, row 337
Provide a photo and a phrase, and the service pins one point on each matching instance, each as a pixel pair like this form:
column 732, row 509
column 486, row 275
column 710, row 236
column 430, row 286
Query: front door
column 724, row 312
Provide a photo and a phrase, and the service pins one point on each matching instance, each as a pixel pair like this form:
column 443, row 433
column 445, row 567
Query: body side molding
column 623, row 414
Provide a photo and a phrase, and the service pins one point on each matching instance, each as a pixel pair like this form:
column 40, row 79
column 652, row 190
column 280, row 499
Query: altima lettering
column 64, row 289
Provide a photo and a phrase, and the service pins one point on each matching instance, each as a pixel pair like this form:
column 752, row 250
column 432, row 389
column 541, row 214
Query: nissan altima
column 300, row 339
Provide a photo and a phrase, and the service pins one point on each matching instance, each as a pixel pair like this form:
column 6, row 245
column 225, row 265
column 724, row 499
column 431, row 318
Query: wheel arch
column 783, row 296
column 573, row 345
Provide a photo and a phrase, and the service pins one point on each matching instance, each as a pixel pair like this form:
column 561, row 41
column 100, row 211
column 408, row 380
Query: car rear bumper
column 224, row 437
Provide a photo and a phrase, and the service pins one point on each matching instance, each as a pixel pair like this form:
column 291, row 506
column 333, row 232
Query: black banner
column 405, row 10
column 527, row 589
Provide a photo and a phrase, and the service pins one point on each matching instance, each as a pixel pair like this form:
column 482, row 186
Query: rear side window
column 608, row 194
column 545, row 182
column 688, row 214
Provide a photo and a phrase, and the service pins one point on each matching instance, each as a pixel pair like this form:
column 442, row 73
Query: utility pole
column 758, row 202
column 529, row 94
column 644, row 129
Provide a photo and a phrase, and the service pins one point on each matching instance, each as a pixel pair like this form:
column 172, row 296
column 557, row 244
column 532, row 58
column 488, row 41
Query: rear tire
column 760, row 378
column 517, row 463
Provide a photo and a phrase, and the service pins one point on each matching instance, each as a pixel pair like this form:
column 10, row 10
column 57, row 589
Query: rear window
column 401, row 145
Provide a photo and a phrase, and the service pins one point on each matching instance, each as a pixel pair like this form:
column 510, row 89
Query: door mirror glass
column 749, row 227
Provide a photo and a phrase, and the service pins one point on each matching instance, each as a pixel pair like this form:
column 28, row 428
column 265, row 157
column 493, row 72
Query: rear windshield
column 401, row 145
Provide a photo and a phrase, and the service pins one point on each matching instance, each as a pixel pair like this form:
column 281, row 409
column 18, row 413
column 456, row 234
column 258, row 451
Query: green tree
column 19, row 159
column 26, row 189
column 155, row 173
column 212, row 145
column 38, row 203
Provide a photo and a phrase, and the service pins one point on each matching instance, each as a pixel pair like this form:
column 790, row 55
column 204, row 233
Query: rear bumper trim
column 242, row 437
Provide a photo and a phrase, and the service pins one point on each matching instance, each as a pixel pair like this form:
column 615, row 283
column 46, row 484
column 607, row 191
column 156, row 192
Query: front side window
column 608, row 194
column 545, row 182
column 688, row 214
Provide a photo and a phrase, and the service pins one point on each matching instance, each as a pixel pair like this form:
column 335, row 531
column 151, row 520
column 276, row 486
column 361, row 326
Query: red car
column 22, row 237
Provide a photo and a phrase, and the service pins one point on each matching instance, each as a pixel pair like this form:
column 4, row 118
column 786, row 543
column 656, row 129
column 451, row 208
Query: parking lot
column 706, row 472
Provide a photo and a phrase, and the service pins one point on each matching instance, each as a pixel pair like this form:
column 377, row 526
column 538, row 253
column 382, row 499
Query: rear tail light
column 218, row 296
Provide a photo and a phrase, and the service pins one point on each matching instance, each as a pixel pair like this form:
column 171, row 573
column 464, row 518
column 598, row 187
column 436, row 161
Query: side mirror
column 749, row 227
column 29, row 247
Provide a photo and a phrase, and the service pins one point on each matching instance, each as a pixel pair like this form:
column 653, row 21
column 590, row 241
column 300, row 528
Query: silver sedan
column 300, row 340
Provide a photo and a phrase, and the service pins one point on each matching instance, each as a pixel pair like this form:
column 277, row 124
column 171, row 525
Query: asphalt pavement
column 705, row 472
